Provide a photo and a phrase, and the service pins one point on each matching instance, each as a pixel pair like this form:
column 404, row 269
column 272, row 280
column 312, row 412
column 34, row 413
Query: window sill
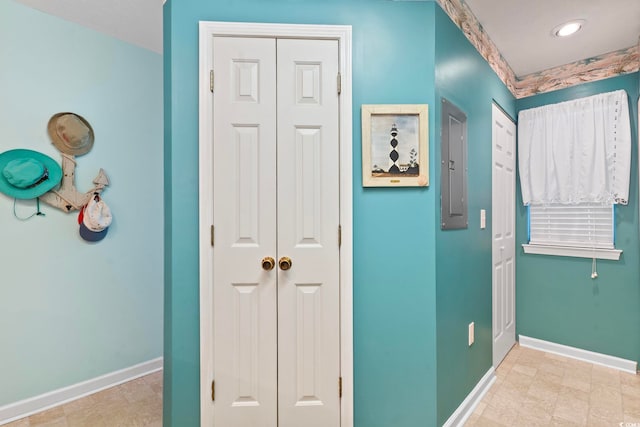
column 612, row 254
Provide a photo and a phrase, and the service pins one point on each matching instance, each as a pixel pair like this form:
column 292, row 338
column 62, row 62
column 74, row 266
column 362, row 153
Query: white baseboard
column 579, row 354
column 24, row 408
column 468, row 405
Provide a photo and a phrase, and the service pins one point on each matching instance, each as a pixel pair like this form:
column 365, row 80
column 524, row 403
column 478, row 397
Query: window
column 574, row 165
column 583, row 230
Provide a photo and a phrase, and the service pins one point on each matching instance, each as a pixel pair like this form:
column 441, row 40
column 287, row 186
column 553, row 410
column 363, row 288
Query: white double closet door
column 276, row 195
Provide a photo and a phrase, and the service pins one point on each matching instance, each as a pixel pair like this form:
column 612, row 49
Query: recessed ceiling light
column 568, row 28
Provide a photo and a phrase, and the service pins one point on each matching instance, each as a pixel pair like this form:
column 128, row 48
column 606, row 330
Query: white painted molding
column 33, row 405
column 612, row 254
column 468, row 405
column 579, row 354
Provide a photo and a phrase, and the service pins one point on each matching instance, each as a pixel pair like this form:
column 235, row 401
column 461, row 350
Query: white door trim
column 342, row 33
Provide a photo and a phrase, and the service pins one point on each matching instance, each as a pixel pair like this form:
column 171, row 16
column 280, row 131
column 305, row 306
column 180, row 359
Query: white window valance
column 577, row 151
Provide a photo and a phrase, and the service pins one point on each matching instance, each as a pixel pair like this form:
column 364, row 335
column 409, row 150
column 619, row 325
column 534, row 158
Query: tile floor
column 136, row 403
column 535, row 388
column 532, row 389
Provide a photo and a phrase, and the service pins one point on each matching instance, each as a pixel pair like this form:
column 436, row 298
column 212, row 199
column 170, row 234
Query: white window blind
column 585, row 225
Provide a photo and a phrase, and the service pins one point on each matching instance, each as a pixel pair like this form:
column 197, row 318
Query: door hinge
column 213, row 390
column 211, row 81
column 212, row 235
column 339, row 83
column 339, row 236
column 340, row 387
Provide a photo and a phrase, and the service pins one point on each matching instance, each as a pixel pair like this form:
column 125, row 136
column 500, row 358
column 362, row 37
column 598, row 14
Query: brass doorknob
column 285, row 263
column 268, row 263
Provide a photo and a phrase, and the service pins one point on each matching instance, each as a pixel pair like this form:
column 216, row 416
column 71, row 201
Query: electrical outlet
column 471, row 333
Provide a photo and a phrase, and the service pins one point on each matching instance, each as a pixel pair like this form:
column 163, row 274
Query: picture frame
column 395, row 145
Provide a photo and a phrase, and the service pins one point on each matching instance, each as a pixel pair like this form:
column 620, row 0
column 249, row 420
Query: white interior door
column 503, row 234
column 244, row 187
column 308, row 220
column 276, row 333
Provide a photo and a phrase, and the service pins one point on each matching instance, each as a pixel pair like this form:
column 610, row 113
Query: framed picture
column 395, row 147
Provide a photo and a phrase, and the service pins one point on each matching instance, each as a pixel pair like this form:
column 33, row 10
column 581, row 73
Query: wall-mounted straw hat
column 70, row 133
column 27, row 174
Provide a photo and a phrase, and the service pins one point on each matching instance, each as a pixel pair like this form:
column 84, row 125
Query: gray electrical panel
column 453, row 167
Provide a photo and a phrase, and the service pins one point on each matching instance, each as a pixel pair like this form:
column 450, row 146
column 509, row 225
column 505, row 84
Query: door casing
column 342, row 33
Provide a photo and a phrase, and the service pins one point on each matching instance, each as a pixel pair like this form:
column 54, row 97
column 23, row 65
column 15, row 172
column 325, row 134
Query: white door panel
column 308, row 219
column 503, row 234
column 244, row 297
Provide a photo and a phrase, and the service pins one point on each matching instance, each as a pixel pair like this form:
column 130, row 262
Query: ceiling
column 138, row 22
column 521, row 29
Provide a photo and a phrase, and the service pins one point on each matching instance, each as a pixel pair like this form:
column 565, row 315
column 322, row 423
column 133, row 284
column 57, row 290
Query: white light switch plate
column 483, row 219
column 471, row 333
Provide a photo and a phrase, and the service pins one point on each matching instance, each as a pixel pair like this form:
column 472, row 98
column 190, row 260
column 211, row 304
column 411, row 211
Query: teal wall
column 556, row 298
column 71, row 310
column 394, row 236
column 463, row 257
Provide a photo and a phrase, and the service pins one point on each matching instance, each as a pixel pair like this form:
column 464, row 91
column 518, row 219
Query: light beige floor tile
column 20, row 423
column 538, row 389
column 155, row 381
column 47, row 417
column 605, row 376
column 549, row 377
column 507, row 397
column 606, row 413
column 519, row 380
column 571, row 409
column 544, row 390
column 534, row 405
column 471, row 421
column 506, row 415
column 148, row 410
column 503, row 369
column 60, row 422
column 137, row 390
column 576, row 383
column 631, row 419
column 527, row 360
column 605, row 396
column 529, row 421
column 630, row 404
column 555, row 357
column 630, row 390
column 481, row 406
column 576, row 394
column 630, row 379
column 534, row 412
column 524, row 369
column 486, row 422
column 82, row 420
column 124, row 417
column 594, row 421
column 559, row 422
column 79, row 405
column 137, row 403
column 552, row 368
column 579, row 365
